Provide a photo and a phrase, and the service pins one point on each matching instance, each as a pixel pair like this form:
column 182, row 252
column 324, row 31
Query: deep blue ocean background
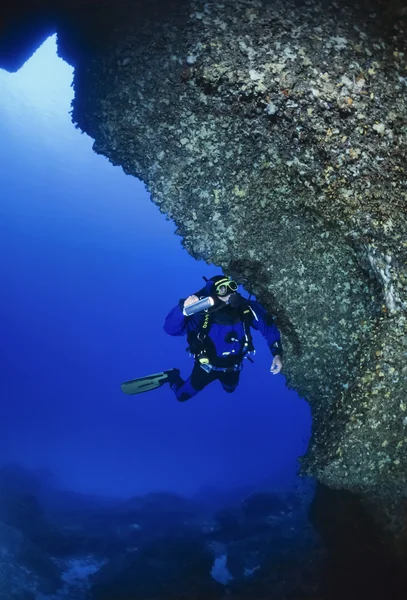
column 89, row 269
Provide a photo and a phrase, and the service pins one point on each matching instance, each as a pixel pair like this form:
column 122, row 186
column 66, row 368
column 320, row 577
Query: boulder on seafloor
column 169, row 568
column 24, row 568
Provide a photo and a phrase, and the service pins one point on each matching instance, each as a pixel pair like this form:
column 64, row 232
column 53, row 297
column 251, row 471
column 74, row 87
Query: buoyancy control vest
column 201, row 347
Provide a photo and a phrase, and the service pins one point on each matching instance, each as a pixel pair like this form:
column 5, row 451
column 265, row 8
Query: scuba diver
column 217, row 321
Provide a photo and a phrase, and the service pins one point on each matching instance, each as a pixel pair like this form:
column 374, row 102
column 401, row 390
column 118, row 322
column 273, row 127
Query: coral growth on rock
column 275, row 135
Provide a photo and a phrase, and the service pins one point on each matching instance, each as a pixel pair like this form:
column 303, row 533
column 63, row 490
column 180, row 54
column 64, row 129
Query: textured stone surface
column 274, row 134
column 24, row 569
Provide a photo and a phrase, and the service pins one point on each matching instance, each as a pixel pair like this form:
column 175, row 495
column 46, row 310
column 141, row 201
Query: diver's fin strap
column 145, row 384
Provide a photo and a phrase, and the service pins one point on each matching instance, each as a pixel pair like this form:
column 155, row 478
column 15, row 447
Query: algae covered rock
column 275, row 134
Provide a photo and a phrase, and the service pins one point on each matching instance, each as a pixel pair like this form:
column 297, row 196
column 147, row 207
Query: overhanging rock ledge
column 275, row 135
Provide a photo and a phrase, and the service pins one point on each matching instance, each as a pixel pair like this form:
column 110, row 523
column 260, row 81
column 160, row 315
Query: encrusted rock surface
column 275, row 135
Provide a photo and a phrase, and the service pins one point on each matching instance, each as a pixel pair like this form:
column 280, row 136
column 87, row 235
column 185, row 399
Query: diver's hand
column 190, row 300
column 276, row 365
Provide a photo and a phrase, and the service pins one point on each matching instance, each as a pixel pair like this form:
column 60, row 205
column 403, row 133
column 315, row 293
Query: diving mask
column 225, row 286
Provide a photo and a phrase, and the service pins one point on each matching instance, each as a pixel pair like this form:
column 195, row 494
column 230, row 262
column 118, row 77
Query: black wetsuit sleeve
column 176, row 323
column 264, row 322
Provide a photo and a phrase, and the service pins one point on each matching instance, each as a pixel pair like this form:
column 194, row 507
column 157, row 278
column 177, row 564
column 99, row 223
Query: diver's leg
column 194, row 384
column 229, row 380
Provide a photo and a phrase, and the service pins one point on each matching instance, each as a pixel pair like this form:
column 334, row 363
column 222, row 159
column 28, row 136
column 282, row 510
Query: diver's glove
column 183, row 303
column 276, row 365
column 277, row 352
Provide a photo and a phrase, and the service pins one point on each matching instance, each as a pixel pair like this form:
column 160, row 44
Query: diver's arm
column 176, row 323
column 277, row 348
column 264, row 323
column 267, row 327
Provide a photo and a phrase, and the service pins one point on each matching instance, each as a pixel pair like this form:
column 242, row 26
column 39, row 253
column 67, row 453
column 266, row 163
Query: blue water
column 89, row 269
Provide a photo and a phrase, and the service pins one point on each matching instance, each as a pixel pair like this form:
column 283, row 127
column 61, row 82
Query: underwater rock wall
column 274, row 135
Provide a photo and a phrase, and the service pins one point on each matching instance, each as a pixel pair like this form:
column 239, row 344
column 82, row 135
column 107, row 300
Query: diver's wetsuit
column 200, row 379
column 224, row 343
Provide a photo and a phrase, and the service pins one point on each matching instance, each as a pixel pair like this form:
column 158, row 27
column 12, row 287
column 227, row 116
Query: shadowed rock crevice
column 360, row 561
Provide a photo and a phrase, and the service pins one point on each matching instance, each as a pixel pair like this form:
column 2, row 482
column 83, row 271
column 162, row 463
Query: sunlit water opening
column 91, row 268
